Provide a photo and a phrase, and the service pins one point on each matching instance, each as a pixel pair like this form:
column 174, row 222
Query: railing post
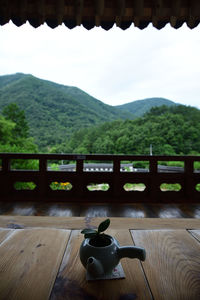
column 116, row 177
column 5, row 182
column 79, row 166
column 5, row 164
column 80, row 176
column 42, row 184
column 189, row 183
column 153, row 183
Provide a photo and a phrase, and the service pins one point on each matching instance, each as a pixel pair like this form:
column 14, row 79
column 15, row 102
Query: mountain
column 54, row 111
column 170, row 130
column 140, row 107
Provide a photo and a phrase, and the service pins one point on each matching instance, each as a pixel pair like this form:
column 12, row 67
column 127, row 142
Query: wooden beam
column 141, row 11
column 195, row 8
column 120, row 11
column 192, row 22
column 23, row 9
column 78, row 11
column 138, row 8
column 99, row 10
column 175, row 12
column 157, row 12
column 175, row 8
column 41, row 11
column 5, row 9
column 99, row 7
column 60, row 9
column 193, row 14
column 173, row 21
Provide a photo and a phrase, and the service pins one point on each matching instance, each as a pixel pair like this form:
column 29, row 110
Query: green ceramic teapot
column 101, row 253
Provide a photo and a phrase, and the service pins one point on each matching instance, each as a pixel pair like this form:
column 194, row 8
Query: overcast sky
column 114, row 66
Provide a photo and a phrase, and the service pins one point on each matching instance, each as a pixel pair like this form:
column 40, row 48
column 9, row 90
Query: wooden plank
column 71, row 280
column 82, row 222
column 29, row 262
column 134, row 210
column 4, row 234
column 196, row 234
column 173, row 263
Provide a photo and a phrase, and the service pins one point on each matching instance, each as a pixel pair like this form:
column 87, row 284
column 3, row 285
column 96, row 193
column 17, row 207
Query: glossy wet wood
column 39, row 259
column 139, row 210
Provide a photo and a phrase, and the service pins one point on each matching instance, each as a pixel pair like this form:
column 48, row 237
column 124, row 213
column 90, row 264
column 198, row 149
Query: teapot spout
column 94, row 267
column 132, row 252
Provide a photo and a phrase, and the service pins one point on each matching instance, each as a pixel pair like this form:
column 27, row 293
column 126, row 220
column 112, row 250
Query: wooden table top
column 39, row 259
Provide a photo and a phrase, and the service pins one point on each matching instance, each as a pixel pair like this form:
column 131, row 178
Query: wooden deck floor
column 104, row 210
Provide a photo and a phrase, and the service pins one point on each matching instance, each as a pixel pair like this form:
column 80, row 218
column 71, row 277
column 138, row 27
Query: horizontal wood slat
column 82, row 222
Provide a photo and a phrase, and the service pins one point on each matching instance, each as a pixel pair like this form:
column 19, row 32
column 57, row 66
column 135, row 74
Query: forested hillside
column 170, row 130
column 140, row 107
column 54, row 111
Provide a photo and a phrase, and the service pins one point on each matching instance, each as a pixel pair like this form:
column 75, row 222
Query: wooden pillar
column 5, row 184
column 99, row 9
column 80, row 183
column 121, row 8
column 189, row 182
column 154, row 185
column 42, row 183
column 116, row 178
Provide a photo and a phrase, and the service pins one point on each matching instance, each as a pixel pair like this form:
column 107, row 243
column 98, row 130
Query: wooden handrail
column 80, row 179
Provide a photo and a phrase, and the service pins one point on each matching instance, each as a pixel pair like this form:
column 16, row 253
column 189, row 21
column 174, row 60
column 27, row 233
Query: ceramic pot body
column 101, row 259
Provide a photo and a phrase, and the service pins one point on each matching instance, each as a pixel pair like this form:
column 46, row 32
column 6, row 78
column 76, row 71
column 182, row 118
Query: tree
column 13, row 113
column 171, row 130
column 14, row 131
column 6, row 130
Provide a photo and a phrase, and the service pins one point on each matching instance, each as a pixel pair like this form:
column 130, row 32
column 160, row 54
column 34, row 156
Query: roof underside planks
column 103, row 13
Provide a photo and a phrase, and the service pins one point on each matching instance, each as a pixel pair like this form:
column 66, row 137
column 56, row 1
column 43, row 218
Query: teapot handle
column 132, row 252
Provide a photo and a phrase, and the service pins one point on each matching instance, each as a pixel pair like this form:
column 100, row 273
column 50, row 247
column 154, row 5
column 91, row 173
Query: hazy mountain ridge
column 8, row 79
column 140, row 107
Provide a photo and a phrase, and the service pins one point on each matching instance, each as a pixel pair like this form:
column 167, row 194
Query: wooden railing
column 45, row 180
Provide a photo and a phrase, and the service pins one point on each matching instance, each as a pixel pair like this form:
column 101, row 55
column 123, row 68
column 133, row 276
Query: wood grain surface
column 4, row 234
column 172, row 265
column 71, row 280
column 196, row 234
column 15, row 222
column 29, row 262
column 39, row 259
